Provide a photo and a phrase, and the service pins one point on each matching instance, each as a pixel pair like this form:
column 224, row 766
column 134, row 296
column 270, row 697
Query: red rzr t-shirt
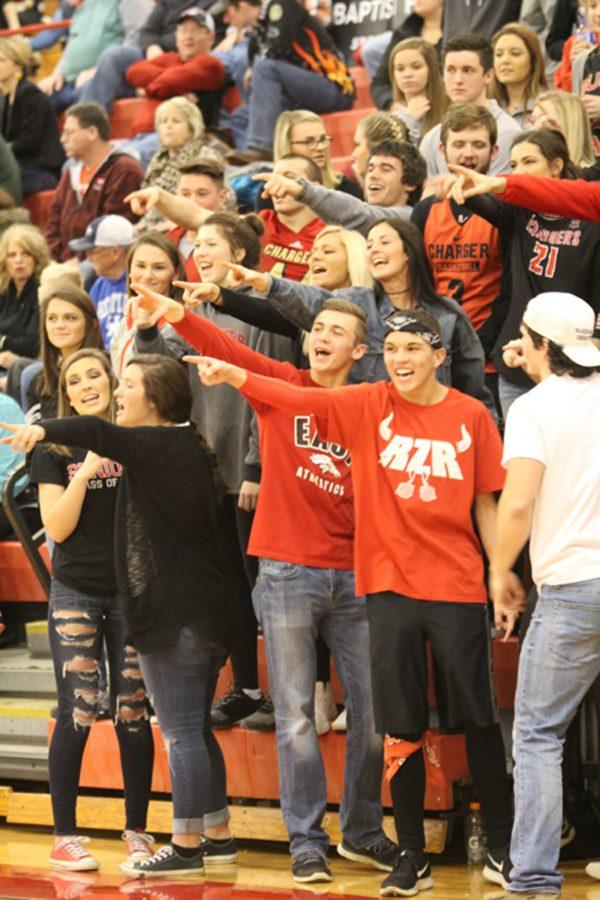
column 416, row 472
column 285, row 252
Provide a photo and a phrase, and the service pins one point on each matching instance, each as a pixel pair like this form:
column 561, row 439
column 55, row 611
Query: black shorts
column 459, row 637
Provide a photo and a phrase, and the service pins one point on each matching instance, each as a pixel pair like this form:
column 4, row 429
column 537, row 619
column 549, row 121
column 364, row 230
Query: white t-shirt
column 558, row 423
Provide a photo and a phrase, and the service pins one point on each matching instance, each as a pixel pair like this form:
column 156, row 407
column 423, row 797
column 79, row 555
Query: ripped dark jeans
column 77, row 626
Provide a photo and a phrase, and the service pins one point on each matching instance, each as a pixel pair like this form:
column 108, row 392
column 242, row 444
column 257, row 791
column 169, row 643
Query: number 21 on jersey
column 543, row 261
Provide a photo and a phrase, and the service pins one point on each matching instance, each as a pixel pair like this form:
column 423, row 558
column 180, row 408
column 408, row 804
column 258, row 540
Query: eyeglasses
column 311, row 143
column 67, row 132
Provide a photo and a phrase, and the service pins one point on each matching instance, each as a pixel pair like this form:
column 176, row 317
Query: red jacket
column 168, row 76
column 70, row 214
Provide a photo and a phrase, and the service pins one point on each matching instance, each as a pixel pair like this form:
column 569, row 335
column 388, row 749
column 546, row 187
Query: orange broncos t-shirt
column 416, row 471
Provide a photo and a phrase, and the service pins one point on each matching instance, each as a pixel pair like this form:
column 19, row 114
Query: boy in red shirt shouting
column 303, row 533
column 424, row 459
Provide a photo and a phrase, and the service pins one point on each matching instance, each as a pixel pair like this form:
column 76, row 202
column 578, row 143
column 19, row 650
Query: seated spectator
column 155, row 37
column 23, row 255
column 10, row 176
column 425, row 21
column 202, row 181
column 68, row 321
column 394, row 182
column 468, row 72
column 10, row 213
column 191, row 70
column 519, row 75
column 586, row 37
column 566, row 113
column 303, row 131
column 374, row 129
column 418, row 93
column 294, row 62
column 154, row 262
column 95, row 181
column 241, row 17
column 44, row 40
column 94, row 25
column 16, row 14
column 484, row 19
column 180, row 130
column 106, row 243
column 27, row 118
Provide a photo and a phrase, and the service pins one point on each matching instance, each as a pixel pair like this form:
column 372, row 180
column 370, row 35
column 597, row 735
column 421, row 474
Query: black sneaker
column 264, row 717
column 411, row 874
column 382, row 854
column 218, row 852
column 165, row 862
column 232, row 708
column 310, row 866
column 497, row 867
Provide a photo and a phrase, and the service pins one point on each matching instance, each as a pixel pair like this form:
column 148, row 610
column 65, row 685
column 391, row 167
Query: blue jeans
column 35, row 180
column 560, row 660
column 287, row 87
column 67, row 96
column 373, row 50
column 181, row 679
column 293, row 605
column 509, row 391
column 236, row 63
column 108, row 83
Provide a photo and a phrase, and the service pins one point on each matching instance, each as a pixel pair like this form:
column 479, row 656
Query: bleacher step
column 22, row 674
column 24, row 760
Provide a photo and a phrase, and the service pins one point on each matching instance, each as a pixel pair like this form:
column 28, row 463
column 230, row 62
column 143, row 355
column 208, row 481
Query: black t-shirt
column 85, row 561
column 546, row 254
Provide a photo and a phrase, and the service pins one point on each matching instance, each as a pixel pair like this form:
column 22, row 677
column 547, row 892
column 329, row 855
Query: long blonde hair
column 18, row 50
column 30, row 239
column 282, row 141
column 434, row 89
column 356, row 251
column 574, row 125
column 537, row 74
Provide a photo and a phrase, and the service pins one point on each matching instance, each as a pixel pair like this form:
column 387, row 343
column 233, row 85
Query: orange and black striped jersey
column 466, row 256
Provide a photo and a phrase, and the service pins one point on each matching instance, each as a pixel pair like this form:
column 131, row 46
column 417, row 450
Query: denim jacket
column 463, row 367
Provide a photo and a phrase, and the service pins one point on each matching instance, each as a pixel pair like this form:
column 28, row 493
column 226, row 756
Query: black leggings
column 78, row 624
column 485, row 752
column 243, row 570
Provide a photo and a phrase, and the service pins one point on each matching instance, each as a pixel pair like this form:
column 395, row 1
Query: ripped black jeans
column 78, row 624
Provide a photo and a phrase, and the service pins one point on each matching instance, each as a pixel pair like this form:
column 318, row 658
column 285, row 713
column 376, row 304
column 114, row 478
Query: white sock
column 253, row 694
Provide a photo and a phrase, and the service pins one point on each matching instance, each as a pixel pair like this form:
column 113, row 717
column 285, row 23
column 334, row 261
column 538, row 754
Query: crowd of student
column 328, row 467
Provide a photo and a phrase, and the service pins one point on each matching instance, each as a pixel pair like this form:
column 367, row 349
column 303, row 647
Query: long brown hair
column 434, row 89
column 50, row 355
column 537, row 74
column 164, row 243
column 242, row 233
column 167, row 385
column 552, row 145
column 65, row 410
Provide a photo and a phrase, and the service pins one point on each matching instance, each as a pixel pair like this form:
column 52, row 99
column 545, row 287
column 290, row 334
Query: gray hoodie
column 222, row 413
column 507, row 132
column 342, row 209
column 482, row 17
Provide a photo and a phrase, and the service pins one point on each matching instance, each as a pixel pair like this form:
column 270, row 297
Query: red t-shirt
column 285, row 252
column 305, row 512
column 416, row 471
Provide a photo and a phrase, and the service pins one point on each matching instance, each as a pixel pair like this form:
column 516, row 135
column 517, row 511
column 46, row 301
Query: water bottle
column 475, row 837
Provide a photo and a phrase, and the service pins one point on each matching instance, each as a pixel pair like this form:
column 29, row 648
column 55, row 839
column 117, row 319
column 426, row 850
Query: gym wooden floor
column 260, row 875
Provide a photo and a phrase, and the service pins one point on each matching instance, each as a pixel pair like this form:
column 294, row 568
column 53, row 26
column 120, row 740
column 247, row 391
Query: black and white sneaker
column 567, row 833
column 165, row 862
column 497, row 868
column 264, row 717
column 310, row 866
column 218, row 852
column 411, row 874
column 232, row 708
column 382, row 854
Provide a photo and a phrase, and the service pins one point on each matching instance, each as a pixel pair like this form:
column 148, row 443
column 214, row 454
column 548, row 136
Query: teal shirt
column 94, row 25
column 12, row 413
